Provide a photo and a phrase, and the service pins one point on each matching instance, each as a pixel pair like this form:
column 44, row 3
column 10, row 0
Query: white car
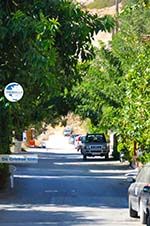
column 67, row 131
column 79, row 141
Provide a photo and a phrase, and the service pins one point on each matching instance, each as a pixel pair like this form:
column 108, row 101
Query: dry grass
column 78, row 125
column 99, row 4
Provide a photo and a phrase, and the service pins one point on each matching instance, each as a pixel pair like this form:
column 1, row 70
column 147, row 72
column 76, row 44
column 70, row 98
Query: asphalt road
column 64, row 190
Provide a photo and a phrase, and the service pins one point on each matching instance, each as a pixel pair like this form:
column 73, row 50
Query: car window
column 68, row 130
column 83, row 139
column 144, row 175
column 101, row 138
column 95, row 138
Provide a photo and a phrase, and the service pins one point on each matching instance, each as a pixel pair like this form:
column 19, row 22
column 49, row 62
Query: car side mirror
column 130, row 179
column 146, row 189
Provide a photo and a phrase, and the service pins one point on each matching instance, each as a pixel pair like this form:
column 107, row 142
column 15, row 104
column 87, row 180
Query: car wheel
column 132, row 212
column 142, row 214
column 84, row 157
column 148, row 220
column 107, row 156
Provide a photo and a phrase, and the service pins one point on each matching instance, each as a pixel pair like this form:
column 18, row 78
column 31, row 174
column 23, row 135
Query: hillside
column 101, row 36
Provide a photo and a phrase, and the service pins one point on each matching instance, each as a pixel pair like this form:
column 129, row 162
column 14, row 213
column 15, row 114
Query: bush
column 144, row 158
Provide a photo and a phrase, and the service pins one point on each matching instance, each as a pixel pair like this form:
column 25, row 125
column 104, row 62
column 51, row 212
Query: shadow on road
column 64, row 186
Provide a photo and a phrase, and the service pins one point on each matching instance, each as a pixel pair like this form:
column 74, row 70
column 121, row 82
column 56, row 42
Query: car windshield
column 83, row 139
column 67, row 130
column 95, row 138
column 144, row 175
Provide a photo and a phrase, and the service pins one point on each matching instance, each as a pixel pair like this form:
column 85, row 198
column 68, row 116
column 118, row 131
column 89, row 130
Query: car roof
column 95, row 134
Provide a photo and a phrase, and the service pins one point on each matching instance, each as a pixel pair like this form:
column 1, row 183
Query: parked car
column 95, row 145
column 72, row 138
column 79, row 141
column 131, row 176
column 68, row 131
column 145, row 202
column 135, row 193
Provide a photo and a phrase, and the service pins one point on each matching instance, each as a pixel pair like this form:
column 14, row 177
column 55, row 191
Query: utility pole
column 115, row 30
column 117, row 6
column 117, row 13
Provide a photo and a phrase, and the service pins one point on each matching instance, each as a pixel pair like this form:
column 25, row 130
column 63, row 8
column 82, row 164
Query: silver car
column 135, row 192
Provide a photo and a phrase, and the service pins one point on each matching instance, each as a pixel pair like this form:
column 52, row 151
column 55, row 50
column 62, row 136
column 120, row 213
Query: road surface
column 64, row 190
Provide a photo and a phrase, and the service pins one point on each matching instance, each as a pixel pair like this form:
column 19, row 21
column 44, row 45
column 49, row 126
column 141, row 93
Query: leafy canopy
column 115, row 92
column 40, row 44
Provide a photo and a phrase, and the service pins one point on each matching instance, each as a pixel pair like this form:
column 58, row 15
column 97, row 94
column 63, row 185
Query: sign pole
column 11, row 181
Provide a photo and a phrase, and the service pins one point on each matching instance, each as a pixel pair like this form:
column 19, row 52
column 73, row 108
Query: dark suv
column 95, row 145
column 136, row 194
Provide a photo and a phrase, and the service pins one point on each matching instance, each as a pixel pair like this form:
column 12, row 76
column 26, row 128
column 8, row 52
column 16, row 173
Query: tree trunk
column 5, row 135
column 5, row 130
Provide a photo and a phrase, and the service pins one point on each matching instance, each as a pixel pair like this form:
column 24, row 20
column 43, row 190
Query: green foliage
column 125, row 146
column 99, row 92
column 40, row 45
column 27, row 54
column 144, row 158
column 116, row 88
column 134, row 56
column 145, row 3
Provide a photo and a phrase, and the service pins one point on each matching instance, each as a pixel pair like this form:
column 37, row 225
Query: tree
column 40, row 44
column 134, row 55
column 26, row 43
column 116, row 87
column 99, row 93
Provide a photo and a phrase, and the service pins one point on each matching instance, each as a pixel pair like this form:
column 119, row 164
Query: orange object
column 32, row 143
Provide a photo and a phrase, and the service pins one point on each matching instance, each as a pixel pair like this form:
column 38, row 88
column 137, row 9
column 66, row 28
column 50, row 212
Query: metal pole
column 11, row 181
column 117, row 12
column 12, row 169
column 117, row 6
